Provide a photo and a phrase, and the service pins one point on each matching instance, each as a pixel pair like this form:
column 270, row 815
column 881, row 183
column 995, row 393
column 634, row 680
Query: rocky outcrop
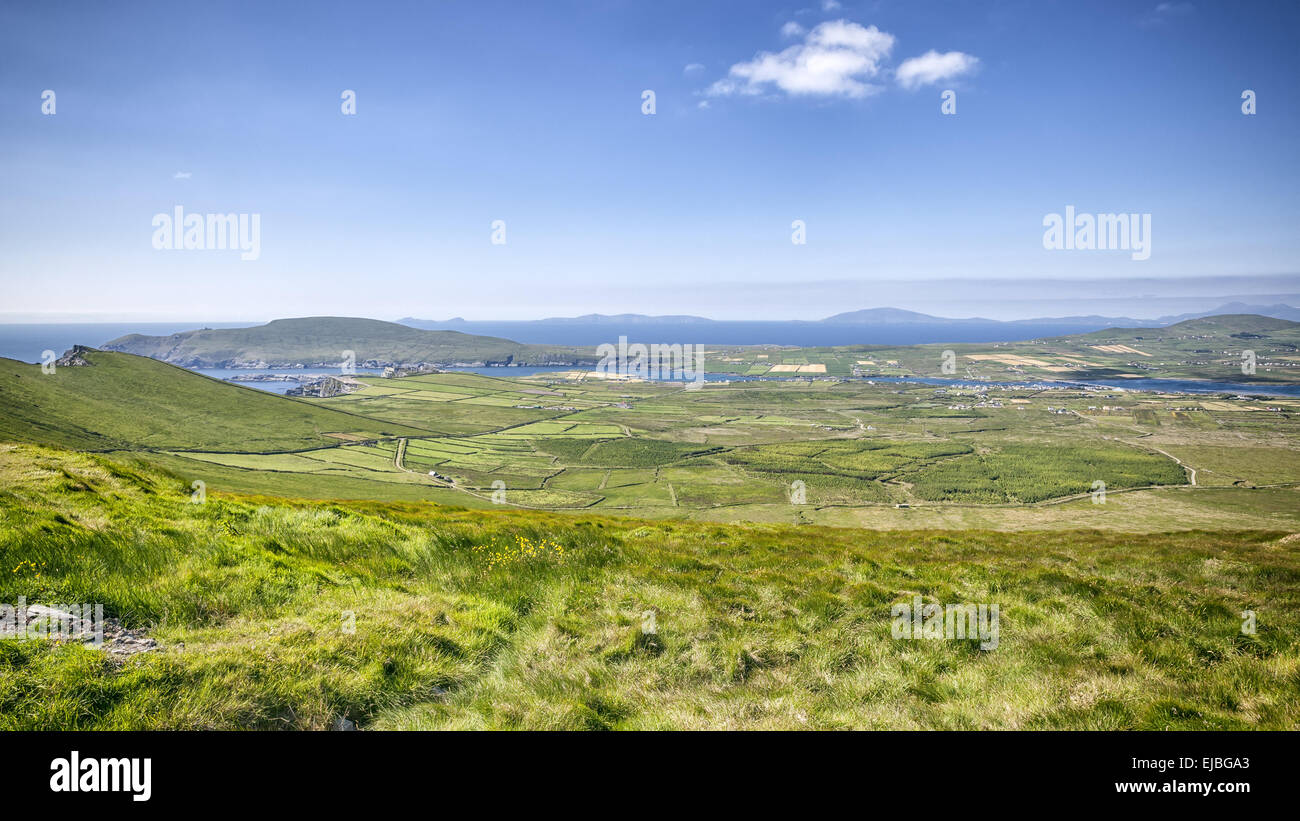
column 275, row 377
column 78, row 624
column 326, row 387
column 74, row 357
column 399, row 371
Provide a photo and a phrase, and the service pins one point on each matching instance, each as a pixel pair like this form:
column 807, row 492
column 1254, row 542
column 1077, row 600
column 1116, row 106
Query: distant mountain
column 322, row 341
column 897, row 316
column 586, row 319
column 1219, row 324
column 1083, row 323
column 599, row 329
column 1240, row 308
column 867, row 326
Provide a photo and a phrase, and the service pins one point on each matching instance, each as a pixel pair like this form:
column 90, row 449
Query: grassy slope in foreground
column 757, row 626
column 317, row 341
column 125, row 402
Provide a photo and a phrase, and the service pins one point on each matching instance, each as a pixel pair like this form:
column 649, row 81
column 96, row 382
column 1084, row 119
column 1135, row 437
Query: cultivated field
column 832, row 452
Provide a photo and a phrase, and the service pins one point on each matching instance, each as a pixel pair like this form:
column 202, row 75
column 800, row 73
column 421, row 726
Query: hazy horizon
column 998, row 299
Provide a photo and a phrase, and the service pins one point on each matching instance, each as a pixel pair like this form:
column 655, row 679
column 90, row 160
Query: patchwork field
column 821, row 450
column 827, row 451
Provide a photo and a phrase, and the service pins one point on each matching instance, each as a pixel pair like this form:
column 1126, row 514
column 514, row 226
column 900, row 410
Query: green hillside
column 123, row 402
column 1220, row 325
column 273, row 614
column 320, row 342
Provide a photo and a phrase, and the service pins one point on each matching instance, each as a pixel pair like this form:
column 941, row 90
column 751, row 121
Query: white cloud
column 182, row 175
column 836, row 59
column 703, row 104
column 691, row 68
column 1164, row 12
column 932, row 67
column 792, row 29
column 830, row 5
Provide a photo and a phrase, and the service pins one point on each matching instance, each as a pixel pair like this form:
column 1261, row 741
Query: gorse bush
column 520, row 549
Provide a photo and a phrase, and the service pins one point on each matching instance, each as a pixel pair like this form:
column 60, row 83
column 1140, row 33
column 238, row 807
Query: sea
column 804, row 334
column 26, row 343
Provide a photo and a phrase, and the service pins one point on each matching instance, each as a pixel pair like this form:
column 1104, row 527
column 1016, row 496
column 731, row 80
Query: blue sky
column 531, row 113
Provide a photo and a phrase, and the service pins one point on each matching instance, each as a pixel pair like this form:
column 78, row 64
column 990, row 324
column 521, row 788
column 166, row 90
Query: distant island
column 326, row 342
column 870, row 326
column 882, row 316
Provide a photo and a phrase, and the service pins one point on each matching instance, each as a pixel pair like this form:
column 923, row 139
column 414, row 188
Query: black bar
column 386, row 772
